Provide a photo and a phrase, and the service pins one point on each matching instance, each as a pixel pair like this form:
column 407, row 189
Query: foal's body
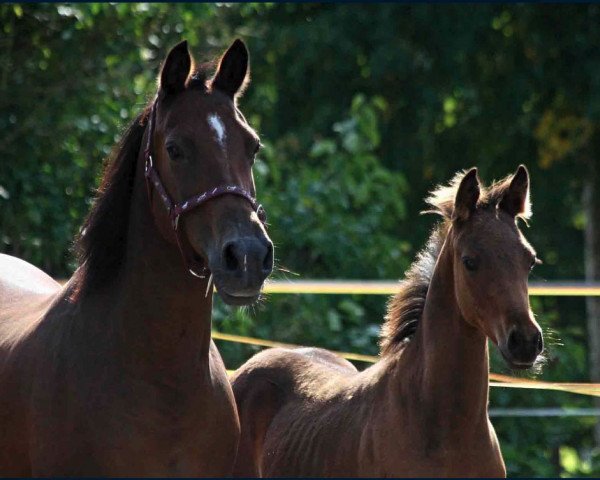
column 421, row 410
column 115, row 374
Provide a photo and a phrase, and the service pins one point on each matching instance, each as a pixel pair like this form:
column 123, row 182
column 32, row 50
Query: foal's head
column 491, row 264
column 201, row 141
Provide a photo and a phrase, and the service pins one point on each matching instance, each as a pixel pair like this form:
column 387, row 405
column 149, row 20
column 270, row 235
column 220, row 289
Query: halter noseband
column 176, row 210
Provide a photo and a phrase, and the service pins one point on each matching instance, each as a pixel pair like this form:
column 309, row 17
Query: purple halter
column 176, row 210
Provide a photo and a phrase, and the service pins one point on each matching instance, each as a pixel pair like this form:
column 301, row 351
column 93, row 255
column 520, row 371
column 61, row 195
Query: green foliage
column 336, row 210
column 62, row 108
column 362, row 109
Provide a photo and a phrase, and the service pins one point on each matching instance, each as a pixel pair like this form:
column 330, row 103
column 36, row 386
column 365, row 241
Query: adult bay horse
column 421, row 410
column 115, row 374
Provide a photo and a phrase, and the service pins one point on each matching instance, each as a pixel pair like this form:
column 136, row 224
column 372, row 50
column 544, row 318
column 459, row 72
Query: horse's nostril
column 540, row 344
column 268, row 260
column 231, row 261
column 247, row 257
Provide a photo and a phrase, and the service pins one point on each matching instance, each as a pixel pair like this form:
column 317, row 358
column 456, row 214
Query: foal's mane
column 405, row 309
column 102, row 242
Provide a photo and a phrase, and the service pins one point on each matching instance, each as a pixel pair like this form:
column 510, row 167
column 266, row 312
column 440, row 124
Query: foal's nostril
column 231, row 261
column 513, row 341
column 540, row 343
column 524, row 347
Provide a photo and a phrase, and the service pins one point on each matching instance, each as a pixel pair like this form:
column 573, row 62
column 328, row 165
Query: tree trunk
column 591, row 205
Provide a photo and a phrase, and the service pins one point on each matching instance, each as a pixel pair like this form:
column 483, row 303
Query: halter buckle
column 149, row 164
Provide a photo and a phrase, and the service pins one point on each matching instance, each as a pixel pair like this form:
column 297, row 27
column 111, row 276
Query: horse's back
column 19, row 278
column 267, row 383
column 26, row 292
column 282, row 368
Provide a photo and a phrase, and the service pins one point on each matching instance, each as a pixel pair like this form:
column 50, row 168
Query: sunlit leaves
column 561, row 135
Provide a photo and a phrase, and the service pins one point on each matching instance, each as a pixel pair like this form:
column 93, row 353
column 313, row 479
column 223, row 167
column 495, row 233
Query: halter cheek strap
column 176, row 210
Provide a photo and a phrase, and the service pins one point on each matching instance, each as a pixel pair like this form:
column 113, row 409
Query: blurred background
column 362, row 110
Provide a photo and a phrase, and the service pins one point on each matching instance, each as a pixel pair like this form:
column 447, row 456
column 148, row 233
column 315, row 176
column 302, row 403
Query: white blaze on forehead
column 218, row 127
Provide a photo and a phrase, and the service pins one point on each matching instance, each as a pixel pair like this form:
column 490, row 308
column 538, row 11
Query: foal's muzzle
column 523, row 346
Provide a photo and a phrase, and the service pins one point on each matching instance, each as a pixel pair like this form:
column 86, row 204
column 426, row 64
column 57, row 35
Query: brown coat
column 422, row 409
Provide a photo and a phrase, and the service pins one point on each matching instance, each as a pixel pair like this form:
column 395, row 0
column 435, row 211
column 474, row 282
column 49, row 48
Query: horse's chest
column 137, row 428
column 196, row 434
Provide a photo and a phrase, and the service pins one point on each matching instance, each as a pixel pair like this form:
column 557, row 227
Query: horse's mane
column 101, row 244
column 405, row 309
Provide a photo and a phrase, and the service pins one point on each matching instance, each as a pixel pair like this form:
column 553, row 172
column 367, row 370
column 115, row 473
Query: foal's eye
column 470, row 263
column 175, row 153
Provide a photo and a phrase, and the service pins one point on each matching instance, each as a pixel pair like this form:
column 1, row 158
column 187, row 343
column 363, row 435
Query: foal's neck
column 452, row 356
column 164, row 311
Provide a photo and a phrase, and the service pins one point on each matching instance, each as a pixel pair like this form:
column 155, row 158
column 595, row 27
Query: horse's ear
column 516, row 199
column 176, row 69
column 232, row 72
column 467, row 195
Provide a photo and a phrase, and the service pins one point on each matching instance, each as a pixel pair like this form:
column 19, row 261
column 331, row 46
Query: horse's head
column 202, row 145
column 492, row 261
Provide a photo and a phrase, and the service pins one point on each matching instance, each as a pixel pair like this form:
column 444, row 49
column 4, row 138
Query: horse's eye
column 175, row 153
column 470, row 263
column 257, row 147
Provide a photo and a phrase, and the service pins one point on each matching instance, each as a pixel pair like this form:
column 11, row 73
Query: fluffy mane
column 405, row 309
column 441, row 199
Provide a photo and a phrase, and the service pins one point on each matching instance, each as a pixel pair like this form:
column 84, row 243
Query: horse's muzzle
column 242, row 267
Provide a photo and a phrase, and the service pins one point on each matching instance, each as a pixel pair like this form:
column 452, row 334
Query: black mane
column 101, row 244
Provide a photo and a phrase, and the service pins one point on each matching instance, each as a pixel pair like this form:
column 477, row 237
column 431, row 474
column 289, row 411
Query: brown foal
column 422, row 409
column 116, row 374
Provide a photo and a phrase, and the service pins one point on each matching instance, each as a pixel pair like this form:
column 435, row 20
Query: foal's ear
column 232, row 72
column 176, row 69
column 467, row 195
column 516, row 199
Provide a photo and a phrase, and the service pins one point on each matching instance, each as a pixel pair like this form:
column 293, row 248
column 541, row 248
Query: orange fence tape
column 376, row 287
column 496, row 379
column 390, row 287
column 384, row 287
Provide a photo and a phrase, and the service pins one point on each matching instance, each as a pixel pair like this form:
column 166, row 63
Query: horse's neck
column 164, row 312
column 449, row 357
